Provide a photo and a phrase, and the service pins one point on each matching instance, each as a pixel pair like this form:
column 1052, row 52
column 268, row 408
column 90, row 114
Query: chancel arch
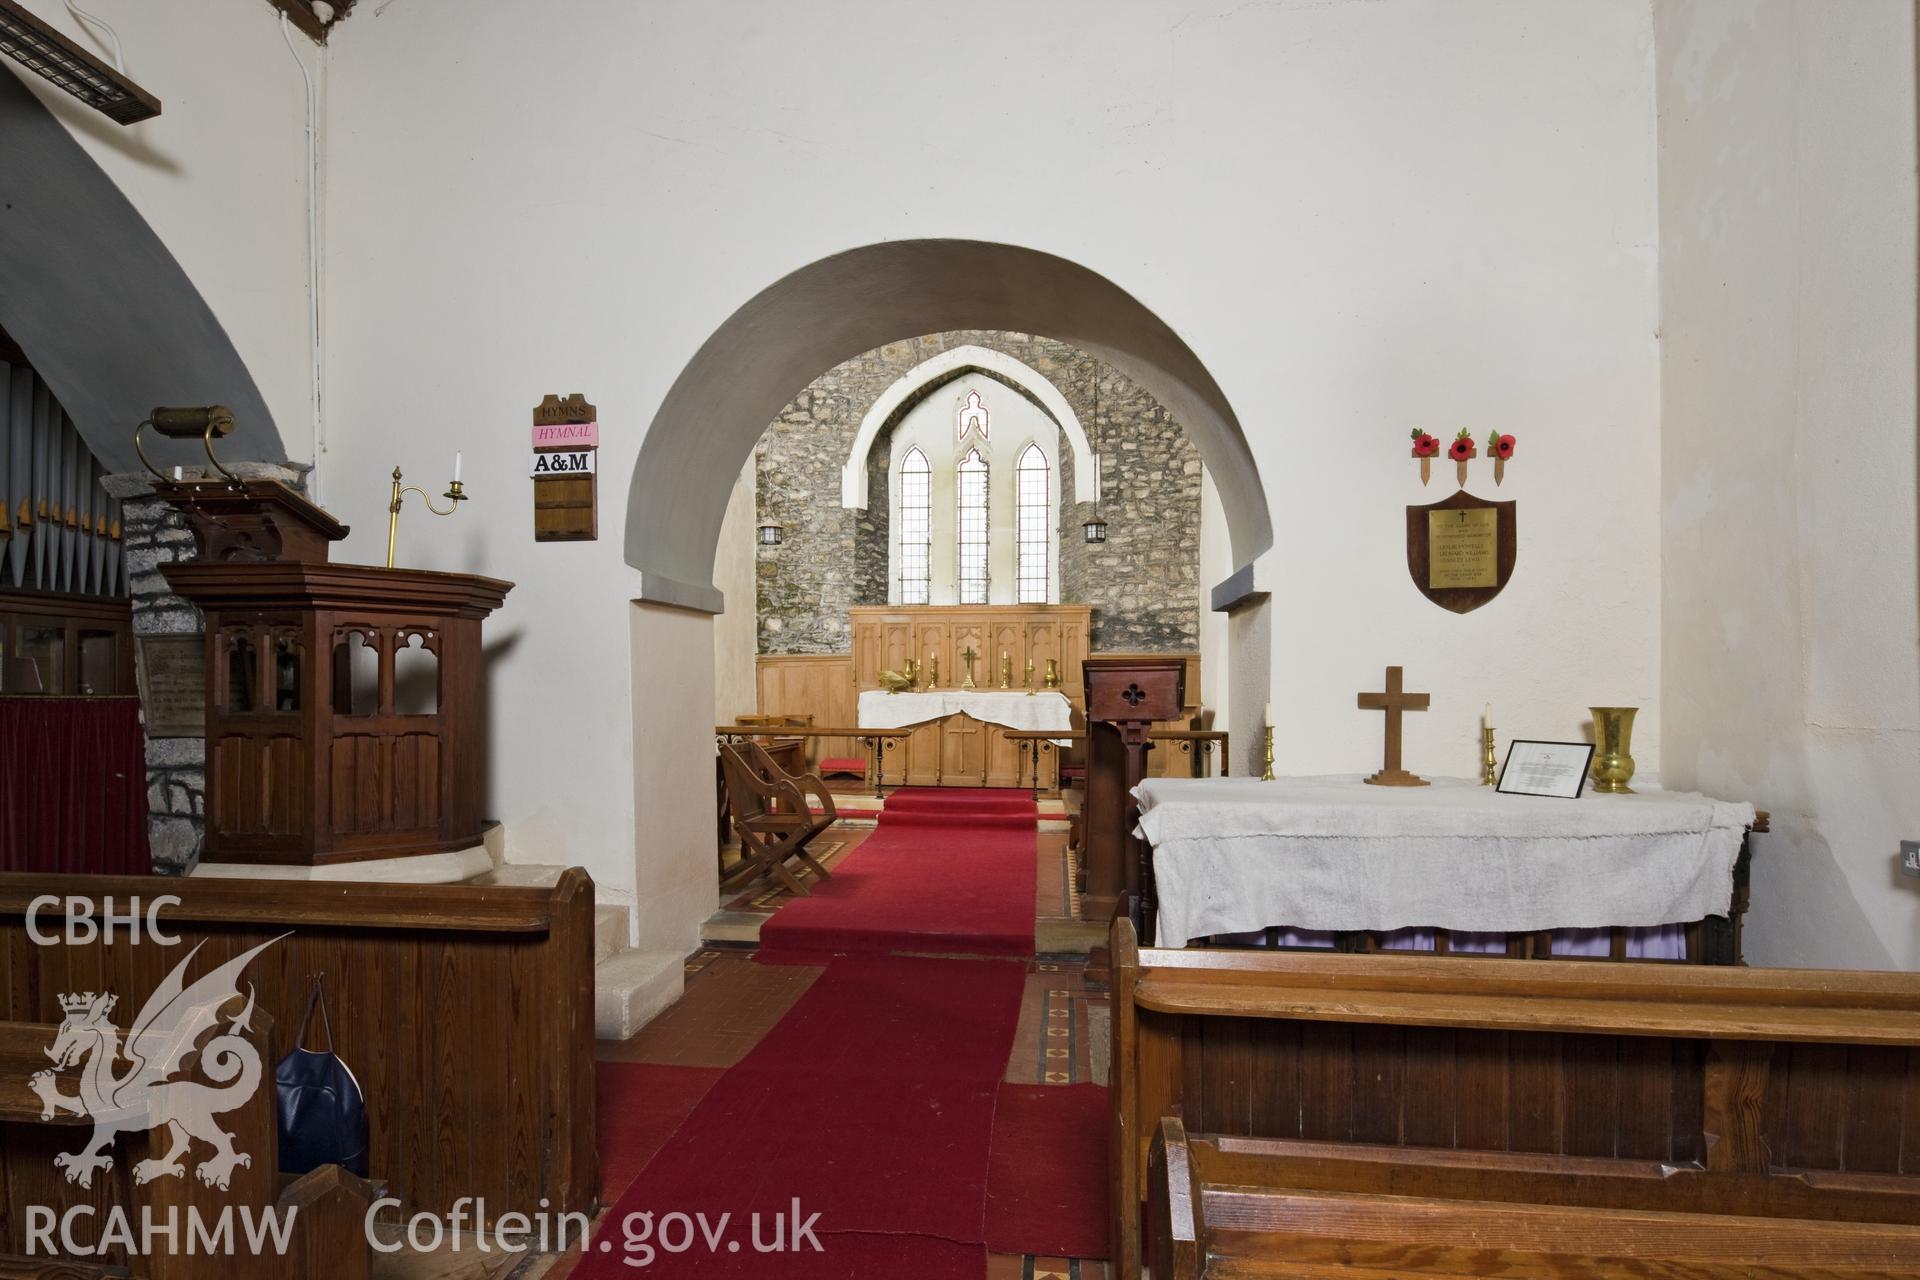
column 834, row 309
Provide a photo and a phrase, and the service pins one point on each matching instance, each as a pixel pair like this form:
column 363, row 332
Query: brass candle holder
column 1006, row 670
column 1489, row 760
column 455, row 495
column 1028, row 683
column 933, row 671
column 1266, row 771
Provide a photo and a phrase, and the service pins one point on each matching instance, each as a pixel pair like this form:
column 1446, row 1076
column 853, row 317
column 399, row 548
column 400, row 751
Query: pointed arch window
column 1033, row 516
column 971, row 528
column 916, row 528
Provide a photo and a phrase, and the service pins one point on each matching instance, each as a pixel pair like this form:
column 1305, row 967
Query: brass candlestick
column 933, row 671
column 1029, row 680
column 1006, row 670
column 1266, row 772
column 455, row 495
column 1489, row 761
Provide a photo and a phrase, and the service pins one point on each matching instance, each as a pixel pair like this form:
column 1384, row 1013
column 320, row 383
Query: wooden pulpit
column 1125, row 695
column 344, row 702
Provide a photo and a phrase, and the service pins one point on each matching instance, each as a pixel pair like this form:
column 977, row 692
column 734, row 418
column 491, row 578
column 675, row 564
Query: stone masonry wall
column 1143, row 582
column 152, row 535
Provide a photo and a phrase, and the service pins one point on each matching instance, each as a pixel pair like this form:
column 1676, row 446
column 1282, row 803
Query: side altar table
column 962, row 751
column 1330, row 861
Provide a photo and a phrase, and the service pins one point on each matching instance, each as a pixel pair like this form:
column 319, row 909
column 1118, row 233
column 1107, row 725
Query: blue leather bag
column 323, row 1116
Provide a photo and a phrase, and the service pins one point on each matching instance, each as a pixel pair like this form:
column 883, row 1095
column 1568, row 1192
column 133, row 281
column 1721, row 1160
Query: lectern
column 344, row 713
column 1125, row 695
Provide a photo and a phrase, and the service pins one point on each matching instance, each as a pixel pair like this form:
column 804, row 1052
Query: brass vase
column 1613, row 749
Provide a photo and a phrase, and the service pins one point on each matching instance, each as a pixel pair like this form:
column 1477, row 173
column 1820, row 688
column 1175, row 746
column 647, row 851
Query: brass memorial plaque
column 173, row 685
column 1463, row 548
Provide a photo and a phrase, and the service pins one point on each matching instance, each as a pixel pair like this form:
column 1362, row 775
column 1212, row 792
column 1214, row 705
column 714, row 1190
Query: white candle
column 1269, row 714
column 176, row 473
column 456, row 466
column 1486, row 719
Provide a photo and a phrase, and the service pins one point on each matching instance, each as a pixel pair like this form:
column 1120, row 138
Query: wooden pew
column 327, row 1207
column 1769, row 1074
column 465, row 1013
column 1221, row 1206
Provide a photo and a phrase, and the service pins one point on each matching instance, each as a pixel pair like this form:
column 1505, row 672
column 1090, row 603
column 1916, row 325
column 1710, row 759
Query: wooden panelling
column 819, row 685
column 466, row 1013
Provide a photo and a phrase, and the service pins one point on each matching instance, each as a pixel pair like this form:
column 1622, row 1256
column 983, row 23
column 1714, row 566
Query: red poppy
column 1461, row 449
column 1425, row 446
column 1503, row 447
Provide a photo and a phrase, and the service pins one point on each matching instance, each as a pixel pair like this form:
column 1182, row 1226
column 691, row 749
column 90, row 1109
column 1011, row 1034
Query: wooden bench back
column 1733, row 1070
column 465, row 1012
column 1239, row 1206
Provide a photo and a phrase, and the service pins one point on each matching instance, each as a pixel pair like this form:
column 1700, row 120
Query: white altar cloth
column 1232, row 855
column 1043, row 711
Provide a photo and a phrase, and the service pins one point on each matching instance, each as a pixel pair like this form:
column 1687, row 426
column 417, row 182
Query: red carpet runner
column 871, row 1104
column 947, row 872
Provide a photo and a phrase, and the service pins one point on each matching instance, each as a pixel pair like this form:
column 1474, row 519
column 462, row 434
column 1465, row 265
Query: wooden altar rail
column 465, row 1012
column 876, row 741
column 1197, row 742
column 1777, row 1076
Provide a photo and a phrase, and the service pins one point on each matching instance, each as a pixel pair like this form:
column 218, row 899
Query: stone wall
column 1143, row 583
column 152, row 535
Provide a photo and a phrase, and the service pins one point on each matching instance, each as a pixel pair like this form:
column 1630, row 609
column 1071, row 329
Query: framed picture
column 1557, row 769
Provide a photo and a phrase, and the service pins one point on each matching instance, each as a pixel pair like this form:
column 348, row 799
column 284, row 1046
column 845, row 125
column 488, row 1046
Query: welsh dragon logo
column 143, row 1093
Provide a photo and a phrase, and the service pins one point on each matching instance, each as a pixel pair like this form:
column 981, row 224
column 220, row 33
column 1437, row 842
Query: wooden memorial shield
column 1460, row 550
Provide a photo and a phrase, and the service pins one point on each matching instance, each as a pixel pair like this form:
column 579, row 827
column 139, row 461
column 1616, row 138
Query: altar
column 1330, row 861
column 957, row 740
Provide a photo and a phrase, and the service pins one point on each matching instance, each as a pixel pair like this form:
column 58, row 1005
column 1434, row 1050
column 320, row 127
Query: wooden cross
column 1394, row 701
column 969, row 655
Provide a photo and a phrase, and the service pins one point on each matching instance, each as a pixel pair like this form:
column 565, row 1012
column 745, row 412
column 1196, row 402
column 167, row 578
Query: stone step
column 610, row 931
column 630, row 987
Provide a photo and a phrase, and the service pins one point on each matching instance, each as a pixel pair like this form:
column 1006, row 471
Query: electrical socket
column 1910, row 858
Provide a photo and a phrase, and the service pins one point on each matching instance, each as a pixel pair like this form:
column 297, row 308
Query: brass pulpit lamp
column 455, row 495
column 203, row 422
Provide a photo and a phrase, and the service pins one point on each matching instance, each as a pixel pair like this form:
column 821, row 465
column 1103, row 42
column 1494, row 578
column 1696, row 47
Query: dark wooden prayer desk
column 1730, row 1091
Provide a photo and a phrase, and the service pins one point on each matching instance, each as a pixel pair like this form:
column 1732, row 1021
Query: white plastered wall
column 1792, row 638
column 1362, row 218
column 736, row 688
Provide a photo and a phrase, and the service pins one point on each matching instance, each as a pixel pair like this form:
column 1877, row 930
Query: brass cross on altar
column 1394, row 701
column 969, row 655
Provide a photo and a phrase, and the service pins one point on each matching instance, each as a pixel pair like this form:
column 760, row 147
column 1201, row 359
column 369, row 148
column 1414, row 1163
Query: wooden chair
column 772, row 815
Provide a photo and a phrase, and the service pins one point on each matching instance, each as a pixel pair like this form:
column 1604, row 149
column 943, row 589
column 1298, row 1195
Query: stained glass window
column 971, row 531
column 1033, row 513
column 916, row 527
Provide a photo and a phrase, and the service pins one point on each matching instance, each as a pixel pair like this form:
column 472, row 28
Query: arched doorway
column 719, row 406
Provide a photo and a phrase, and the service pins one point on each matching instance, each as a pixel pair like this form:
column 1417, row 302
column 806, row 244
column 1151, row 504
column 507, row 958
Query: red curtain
column 73, row 786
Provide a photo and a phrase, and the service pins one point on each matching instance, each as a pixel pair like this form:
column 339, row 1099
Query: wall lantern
column 1096, row 530
column 771, row 534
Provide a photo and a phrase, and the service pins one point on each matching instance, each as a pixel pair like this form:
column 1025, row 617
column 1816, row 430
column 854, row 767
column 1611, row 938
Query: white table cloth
column 1043, row 711
column 1232, row 855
